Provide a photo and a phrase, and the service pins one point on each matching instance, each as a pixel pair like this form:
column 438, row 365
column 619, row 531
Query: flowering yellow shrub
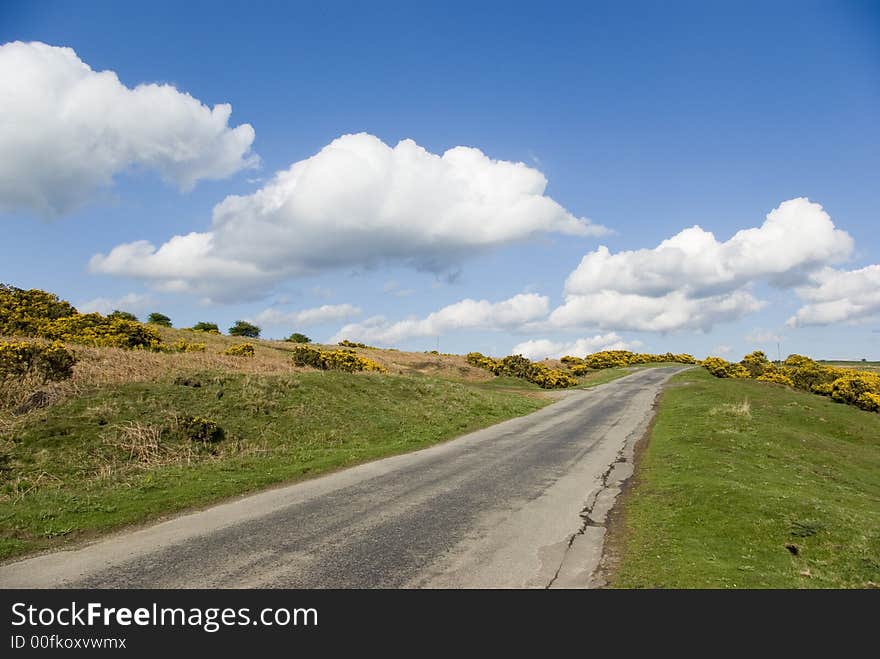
column 622, row 358
column 185, row 346
column 550, row 378
column 240, row 350
column 520, row 367
column 95, row 330
column 844, row 385
column 49, row 362
column 579, row 369
column 345, row 343
column 756, row 363
column 811, row 376
column 861, row 389
column 721, row 368
column 24, row 313
column 775, row 377
column 338, row 360
column 481, row 361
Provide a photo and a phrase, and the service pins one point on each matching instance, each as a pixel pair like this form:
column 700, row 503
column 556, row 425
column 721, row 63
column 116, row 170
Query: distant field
column 751, row 485
column 863, row 366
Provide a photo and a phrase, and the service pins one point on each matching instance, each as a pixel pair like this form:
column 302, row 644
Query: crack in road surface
column 501, row 507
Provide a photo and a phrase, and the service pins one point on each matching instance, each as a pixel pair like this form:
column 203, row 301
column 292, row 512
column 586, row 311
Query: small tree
column 116, row 314
column 297, row 337
column 156, row 318
column 244, row 328
column 210, row 328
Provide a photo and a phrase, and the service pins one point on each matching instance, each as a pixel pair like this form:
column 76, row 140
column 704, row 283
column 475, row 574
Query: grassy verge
column 114, row 455
column 750, row 485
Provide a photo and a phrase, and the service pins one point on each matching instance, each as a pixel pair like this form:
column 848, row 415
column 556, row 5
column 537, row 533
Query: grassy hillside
column 751, row 485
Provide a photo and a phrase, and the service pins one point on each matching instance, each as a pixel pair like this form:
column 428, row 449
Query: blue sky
column 646, row 118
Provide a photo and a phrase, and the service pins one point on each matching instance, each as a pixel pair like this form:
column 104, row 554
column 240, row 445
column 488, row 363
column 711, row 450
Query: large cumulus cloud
column 357, row 203
column 67, row 130
column 692, row 280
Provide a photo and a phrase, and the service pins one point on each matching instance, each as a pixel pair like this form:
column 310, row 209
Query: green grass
column 719, row 493
column 73, row 469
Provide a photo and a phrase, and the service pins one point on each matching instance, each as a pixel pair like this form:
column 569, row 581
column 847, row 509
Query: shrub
column 304, row 356
column 243, row 328
column 861, row 389
column 810, row 375
column 550, row 378
column 24, row 313
column 156, row 318
column 481, row 361
column 797, row 360
column 347, row 360
column 609, row 359
column 755, row 363
column 116, row 314
column 95, row 330
column 48, row 362
column 296, row 337
column 345, row 343
column 520, row 367
column 210, row 328
column 185, row 346
column 514, row 365
column 339, row 360
column 200, row 429
column 721, row 368
column 775, row 377
column 240, row 350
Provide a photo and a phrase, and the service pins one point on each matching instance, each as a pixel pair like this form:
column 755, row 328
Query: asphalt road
column 520, row 504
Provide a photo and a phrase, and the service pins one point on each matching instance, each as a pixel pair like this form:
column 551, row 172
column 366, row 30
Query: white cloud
column 693, row 281
column 512, row 313
column 306, row 317
column 538, row 349
column 721, row 350
column 356, row 203
column 66, row 131
column 796, row 237
column 613, row 310
column 835, row 296
column 103, row 305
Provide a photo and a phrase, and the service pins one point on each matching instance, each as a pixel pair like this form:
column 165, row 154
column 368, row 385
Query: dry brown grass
column 110, row 366
column 742, row 410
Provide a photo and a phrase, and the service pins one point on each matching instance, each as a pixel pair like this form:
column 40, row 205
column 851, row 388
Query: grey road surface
column 520, row 504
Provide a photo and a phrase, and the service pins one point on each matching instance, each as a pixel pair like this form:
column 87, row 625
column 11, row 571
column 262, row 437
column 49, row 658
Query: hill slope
column 747, row 484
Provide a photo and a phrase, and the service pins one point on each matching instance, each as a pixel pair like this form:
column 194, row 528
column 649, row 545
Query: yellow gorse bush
column 775, row 377
column 47, row 361
column 520, row 367
column 621, row 358
column 95, row 330
column 721, row 368
column 336, row 360
column 185, row 346
column 844, row 385
column 240, row 350
column 41, row 314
